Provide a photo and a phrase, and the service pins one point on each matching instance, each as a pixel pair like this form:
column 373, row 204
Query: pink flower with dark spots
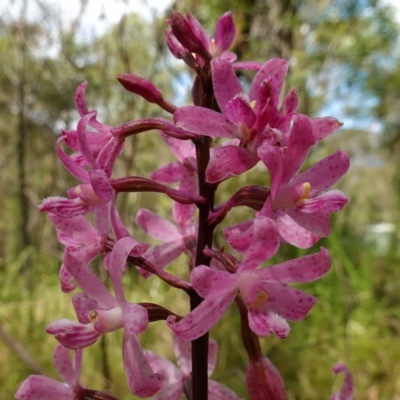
column 102, row 312
column 247, row 118
column 266, row 292
column 300, row 201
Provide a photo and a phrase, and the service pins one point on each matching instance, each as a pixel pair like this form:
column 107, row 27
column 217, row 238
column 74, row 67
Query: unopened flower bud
column 174, row 46
column 140, row 86
column 184, row 33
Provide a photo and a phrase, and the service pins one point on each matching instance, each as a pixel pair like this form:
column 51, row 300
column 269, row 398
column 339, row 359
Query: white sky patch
column 98, row 14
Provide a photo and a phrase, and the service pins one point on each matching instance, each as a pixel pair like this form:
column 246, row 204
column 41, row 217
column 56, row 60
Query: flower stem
column 203, row 94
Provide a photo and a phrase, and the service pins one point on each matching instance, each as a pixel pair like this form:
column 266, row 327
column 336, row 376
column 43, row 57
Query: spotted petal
column 142, row 381
column 37, row 387
column 203, row 317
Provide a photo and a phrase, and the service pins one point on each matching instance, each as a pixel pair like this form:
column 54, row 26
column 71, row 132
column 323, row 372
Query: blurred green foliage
column 344, row 57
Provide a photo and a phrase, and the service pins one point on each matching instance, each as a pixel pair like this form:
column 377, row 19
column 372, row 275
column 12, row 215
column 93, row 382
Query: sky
column 98, row 15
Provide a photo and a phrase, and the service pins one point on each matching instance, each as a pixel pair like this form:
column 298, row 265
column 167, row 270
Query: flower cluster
column 248, row 128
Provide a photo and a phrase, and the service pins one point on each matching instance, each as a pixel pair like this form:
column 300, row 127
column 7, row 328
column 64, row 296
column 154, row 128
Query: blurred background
column 344, row 61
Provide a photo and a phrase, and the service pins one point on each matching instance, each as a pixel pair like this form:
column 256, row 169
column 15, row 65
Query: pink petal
column 299, row 270
column 142, row 381
column 181, row 149
column 264, row 244
column 275, row 68
column 37, row 387
column 225, row 31
column 331, row 201
column 75, row 231
column 73, row 335
column 317, row 223
column 108, row 154
column 117, row 263
column 272, row 157
column 101, row 185
column 156, row 226
column 239, row 236
column 65, row 208
column 226, row 84
column 135, row 318
column 87, row 279
column 70, row 164
column 217, row 391
column 212, row 356
column 96, row 140
column 80, row 102
column 248, row 65
column 291, row 102
column 183, row 354
column 88, row 253
column 83, row 305
column 204, row 122
column 288, row 302
column 117, row 225
column 203, row 317
column 228, row 56
column 229, row 161
column 238, row 111
column 207, row 282
column 164, row 367
column 82, row 139
column 77, row 363
column 263, row 381
column 183, row 213
column 63, row 365
column 162, row 255
column 172, row 391
column 198, row 30
column 102, row 215
column 170, row 173
column 325, row 173
column 323, row 127
column 300, row 141
column 264, row 323
column 347, row 390
column 293, row 233
column 65, row 280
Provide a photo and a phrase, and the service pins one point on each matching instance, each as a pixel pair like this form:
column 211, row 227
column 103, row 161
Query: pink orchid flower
column 96, row 151
column 37, row 387
column 270, row 300
column 176, row 377
column 238, row 119
column 300, row 202
column 254, row 119
column 102, row 312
